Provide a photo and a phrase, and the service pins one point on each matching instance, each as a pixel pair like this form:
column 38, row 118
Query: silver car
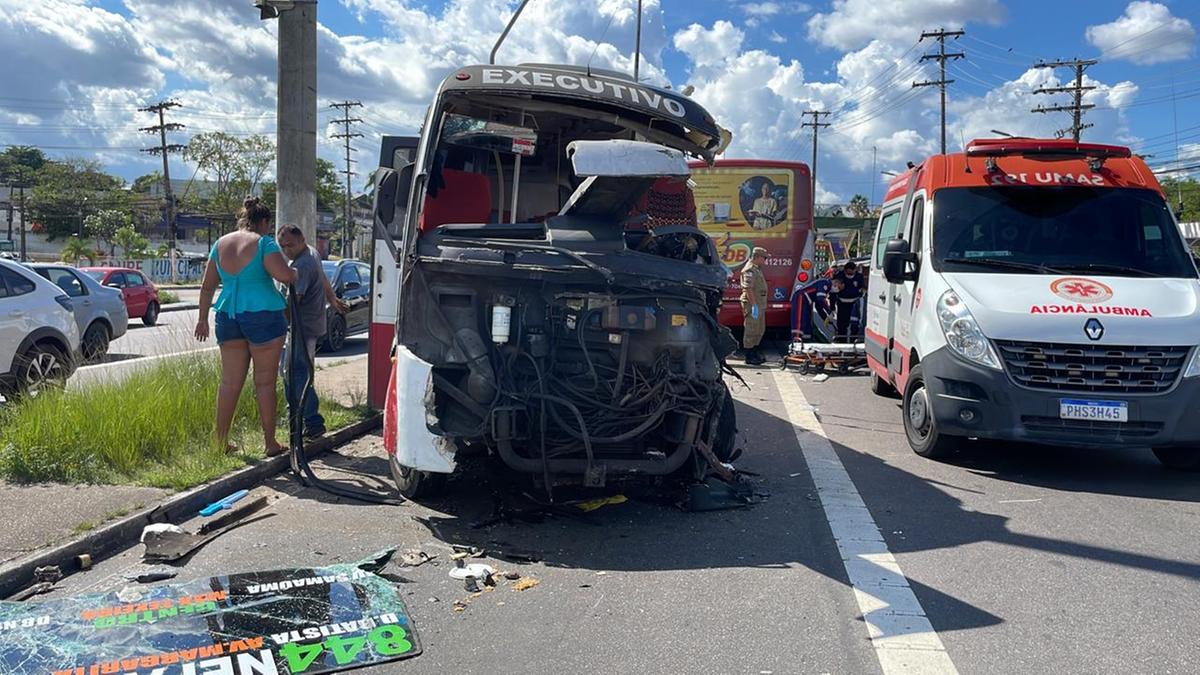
column 99, row 311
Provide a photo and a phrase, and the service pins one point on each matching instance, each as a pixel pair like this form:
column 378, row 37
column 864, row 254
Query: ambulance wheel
column 415, row 484
column 881, row 387
column 1180, row 459
column 920, row 425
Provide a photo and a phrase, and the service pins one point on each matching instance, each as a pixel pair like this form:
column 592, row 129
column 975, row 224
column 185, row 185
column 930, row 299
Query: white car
column 39, row 340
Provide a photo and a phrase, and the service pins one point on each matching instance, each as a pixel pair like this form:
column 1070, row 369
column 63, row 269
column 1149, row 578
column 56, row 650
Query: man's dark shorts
column 257, row 328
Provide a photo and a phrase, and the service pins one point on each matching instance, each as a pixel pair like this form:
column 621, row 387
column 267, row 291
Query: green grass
column 167, row 297
column 154, row 428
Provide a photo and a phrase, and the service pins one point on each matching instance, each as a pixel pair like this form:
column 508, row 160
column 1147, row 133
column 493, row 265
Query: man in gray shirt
column 312, row 291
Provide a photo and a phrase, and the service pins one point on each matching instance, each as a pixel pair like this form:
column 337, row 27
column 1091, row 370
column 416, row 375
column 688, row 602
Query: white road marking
column 145, row 359
column 903, row 638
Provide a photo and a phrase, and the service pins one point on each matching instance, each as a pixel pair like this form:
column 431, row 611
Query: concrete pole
column 296, row 160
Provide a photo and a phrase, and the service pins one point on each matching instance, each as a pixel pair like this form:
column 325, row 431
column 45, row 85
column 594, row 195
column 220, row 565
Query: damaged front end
column 580, row 346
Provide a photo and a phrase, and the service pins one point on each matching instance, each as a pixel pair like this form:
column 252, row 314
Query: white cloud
column 853, row 23
column 776, row 38
column 774, row 8
column 710, row 46
column 1146, row 33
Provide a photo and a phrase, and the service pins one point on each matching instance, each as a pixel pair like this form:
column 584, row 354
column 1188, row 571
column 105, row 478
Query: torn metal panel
column 418, row 448
column 303, row 620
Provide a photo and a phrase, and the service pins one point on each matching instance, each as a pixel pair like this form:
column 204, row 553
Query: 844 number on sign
column 391, row 640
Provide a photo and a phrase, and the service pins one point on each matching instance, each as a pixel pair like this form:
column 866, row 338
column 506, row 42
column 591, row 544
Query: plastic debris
column 224, row 503
column 512, row 576
column 525, row 583
column 593, row 504
column 156, row 529
column 820, row 377
column 474, row 570
column 415, row 557
column 49, row 573
column 151, row 575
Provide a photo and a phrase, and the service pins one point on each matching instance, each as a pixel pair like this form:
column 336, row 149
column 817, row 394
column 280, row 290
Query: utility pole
column 637, row 43
column 165, row 150
column 1078, row 106
column 874, row 156
column 347, row 136
column 816, row 125
column 24, row 224
column 941, row 57
column 296, row 107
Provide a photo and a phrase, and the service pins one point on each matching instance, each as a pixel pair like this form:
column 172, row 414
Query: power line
column 941, row 57
column 1078, row 106
column 347, row 136
column 165, row 150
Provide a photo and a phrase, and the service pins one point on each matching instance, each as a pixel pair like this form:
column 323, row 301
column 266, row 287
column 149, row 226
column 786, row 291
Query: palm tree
column 76, row 249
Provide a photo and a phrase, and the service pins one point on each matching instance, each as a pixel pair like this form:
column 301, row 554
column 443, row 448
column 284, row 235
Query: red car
column 141, row 296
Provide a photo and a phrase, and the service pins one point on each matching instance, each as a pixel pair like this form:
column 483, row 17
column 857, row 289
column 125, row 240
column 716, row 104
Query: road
column 1004, row 560
column 173, row 334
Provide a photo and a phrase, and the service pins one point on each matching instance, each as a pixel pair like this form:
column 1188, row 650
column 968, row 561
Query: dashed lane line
column 903, row 639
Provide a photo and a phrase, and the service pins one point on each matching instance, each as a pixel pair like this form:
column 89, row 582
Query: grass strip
column 152, row 428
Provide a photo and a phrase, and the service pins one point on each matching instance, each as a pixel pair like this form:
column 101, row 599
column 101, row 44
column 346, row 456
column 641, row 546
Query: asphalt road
column 173, row 334
column 1019, row 559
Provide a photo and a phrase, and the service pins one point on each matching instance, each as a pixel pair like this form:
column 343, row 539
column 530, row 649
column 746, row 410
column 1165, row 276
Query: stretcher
column 815, row 357
column 823, row 351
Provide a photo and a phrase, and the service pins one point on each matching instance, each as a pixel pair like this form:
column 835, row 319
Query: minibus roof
column 1028, row 162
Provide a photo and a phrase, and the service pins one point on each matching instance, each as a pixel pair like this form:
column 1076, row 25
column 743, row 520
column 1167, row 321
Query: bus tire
column 415, row 484
column 920, row 424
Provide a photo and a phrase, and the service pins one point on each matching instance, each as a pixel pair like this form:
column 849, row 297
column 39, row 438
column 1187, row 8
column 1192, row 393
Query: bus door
column 397, row 151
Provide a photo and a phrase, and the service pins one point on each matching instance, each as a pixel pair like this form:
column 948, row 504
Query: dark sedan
column 351, row 281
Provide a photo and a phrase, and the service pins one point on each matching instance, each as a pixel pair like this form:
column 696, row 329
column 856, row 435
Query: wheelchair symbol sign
column 780, row 294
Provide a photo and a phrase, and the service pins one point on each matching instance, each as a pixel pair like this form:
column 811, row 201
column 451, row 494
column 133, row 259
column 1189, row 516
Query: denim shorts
column 255, row 327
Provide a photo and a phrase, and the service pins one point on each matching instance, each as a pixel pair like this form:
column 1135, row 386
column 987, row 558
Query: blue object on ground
column 225, row 503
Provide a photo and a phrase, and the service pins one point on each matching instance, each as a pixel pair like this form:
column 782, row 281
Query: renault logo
column 1093, row 329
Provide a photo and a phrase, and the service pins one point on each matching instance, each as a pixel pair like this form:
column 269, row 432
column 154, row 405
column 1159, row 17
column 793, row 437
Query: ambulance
column 1039, row 291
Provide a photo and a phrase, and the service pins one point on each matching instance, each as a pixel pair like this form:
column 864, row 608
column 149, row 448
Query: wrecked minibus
column 555, row 302
column 1036, row 290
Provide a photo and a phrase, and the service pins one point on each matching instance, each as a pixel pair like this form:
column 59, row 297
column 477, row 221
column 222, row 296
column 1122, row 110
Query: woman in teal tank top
column 250, row 323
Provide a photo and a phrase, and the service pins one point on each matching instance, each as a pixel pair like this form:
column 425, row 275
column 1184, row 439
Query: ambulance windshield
column 1055, row 230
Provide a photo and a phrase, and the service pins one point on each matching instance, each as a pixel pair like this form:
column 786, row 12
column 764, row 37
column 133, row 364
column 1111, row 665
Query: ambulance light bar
column 1003, row 147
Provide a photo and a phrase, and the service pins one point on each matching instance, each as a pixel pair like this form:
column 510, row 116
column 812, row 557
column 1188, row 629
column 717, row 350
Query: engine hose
column 295, row 398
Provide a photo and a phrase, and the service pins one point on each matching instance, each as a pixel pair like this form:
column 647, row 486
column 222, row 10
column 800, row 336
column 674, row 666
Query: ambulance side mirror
column 896, row 259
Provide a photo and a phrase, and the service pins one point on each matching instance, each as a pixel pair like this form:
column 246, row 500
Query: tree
column 330, row 189
column 1186, row 190
column 859, row 207
column 20, row 160
column 218, row 156
column 76, row 249
column 66, row 192
column 258, row 156
column 104, row 225
column 131, row 242
column 146, row 183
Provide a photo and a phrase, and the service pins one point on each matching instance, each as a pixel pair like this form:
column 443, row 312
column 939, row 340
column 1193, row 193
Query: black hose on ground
column 295, row 399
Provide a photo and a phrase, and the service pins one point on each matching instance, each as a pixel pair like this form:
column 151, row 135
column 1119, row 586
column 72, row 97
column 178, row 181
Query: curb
column 114, row 537
column 178, row 307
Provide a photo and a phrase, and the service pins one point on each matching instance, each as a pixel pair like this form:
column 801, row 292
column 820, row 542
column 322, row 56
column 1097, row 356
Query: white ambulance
column 1036, row 290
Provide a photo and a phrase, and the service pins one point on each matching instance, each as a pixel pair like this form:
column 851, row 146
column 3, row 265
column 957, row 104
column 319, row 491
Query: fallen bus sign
column 289, row 621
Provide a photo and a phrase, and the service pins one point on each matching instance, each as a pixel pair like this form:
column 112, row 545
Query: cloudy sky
column 76, row 71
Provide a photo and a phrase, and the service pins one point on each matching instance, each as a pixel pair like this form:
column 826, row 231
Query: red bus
column 743, row 203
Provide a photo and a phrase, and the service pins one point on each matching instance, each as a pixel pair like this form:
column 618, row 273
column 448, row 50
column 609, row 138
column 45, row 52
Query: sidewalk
column 44, row 515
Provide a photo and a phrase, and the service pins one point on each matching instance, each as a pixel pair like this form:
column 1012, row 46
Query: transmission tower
column 816, row 125
column 941, row 57
column 1077, row 106
column 165, row 149
column 347, row 135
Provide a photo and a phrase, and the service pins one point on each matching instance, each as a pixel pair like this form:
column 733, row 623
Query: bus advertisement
column 744, row 203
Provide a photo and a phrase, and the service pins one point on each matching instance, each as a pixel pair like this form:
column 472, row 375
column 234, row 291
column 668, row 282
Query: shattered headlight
column 962, row 332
